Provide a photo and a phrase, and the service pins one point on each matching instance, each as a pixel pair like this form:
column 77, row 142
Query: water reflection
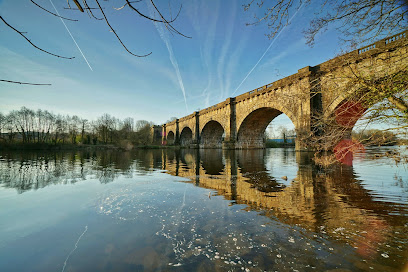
column 331, row 202
column 328, row 209
column 315, row 196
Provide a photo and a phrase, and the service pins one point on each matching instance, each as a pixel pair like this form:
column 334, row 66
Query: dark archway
column 186, row 137
column 211, row 135
column 170, row 138
column 251, row 133
column 212, row 161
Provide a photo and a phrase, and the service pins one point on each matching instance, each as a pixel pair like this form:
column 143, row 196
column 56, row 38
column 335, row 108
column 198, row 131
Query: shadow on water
column 279, row 184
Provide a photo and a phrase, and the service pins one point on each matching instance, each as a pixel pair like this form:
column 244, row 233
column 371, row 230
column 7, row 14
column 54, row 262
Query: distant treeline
column 26, row 126
column 376, row 137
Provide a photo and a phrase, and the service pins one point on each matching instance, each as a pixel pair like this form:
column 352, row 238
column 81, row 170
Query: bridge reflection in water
column 335, row 210
column 331, row 202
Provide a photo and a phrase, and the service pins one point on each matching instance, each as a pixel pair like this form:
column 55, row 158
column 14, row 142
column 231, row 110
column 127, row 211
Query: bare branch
column 167, row 23
column 21, row 33
column 78, row 9
column 126, row 4
column 89, row 11
column 25, row 83
column 107, row 22
column 78, row 5
column 358, row 21
column 52, row 12
column 145, row 16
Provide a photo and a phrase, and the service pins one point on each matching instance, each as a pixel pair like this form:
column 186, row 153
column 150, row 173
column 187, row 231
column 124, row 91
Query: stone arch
column 220, row 118
column 288, row 112
column 342, row 115
column 170, row 138
column 186, row 137
column 211, row 135
column 251, row 129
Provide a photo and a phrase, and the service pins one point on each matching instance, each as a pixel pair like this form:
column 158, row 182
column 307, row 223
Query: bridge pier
column 231, row 144
column 310, row 98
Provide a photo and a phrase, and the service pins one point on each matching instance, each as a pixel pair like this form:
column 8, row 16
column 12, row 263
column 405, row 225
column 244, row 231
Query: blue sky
column 179, row 77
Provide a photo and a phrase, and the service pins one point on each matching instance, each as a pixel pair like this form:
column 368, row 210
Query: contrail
column 173, row 60
column 267, row 49
column 72, row 36
column 172, row 57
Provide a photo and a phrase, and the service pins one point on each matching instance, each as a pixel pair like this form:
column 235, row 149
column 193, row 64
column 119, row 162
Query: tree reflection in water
column 31, row 171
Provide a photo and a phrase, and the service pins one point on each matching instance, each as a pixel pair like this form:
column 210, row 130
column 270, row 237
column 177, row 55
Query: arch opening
column 170, row 138
column 212, row 135
column 280, row 132
column 373, row 130
column 186, row 137
column 355, row 125
column 367, row 112
column 252, row 132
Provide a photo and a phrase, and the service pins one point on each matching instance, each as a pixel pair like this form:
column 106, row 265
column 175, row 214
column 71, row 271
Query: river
column 208, row 210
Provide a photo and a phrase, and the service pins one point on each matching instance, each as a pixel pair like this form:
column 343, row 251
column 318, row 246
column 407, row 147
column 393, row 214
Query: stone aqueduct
column 312, row 93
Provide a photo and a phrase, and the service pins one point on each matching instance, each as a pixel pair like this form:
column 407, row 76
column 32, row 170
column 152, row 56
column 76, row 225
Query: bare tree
column 142, row 132
column 376, row 94
column 3, row 119
column 74, row 124
column 84, row 126
column 358, row 21
column 41, row 126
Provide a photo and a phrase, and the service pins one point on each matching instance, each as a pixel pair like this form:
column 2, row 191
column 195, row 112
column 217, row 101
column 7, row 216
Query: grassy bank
column 271, row 144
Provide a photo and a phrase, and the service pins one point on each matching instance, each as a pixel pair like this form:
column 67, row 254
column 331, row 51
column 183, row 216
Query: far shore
column 69, row 146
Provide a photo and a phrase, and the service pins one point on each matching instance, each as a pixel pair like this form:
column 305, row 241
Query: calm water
column 211, row 210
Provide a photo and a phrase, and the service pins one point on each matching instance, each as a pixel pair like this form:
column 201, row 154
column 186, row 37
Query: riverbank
column 68, row 146
column 46, row 146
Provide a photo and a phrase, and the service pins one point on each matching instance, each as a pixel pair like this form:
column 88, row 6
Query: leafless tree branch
column 126, row 4
column 21, row 33
column 52, row 12
column 25, row 83
column 89, row 11
column 78, row 5
column 167, row 23
column 117, row 36
column 359, row 21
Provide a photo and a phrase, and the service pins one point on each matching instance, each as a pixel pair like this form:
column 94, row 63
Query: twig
column 19, row 32
column 78, row 5
column 147, row 17
column 126, row 4
column 89, row 10
column 25, row 83
column 167, row 23
column 117, row 36
column 52, row 12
